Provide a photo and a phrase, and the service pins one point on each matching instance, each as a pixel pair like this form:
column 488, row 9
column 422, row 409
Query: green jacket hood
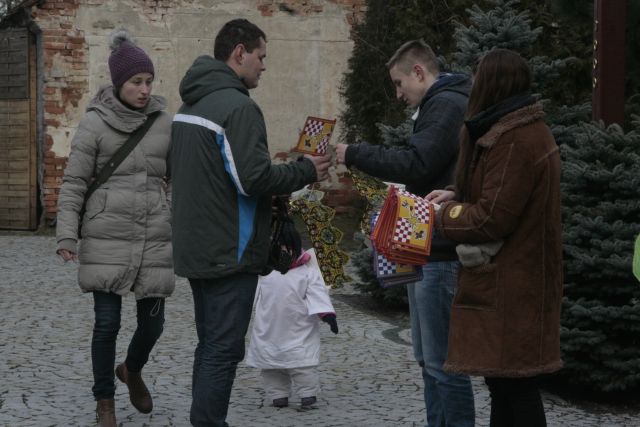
column 208, row 75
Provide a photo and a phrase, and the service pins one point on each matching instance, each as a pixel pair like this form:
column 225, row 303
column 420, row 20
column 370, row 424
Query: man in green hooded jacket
column 223, row 181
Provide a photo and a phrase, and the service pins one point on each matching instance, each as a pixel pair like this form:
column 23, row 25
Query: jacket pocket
column 478, row 287
column 96, row 204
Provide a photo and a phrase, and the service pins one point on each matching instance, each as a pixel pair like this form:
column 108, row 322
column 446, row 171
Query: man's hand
column 341, row 152
column 321, row 164
column 439, row 196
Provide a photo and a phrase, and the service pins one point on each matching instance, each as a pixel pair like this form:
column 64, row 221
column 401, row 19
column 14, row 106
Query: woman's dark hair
column 235, row 32
column 500, row 74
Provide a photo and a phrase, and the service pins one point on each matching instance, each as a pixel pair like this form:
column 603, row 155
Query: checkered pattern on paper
column 313, row 127
column 420, row 206
column 322, row 145
column 374, row 218
column 422, row 212
column 402, row 231
column 385, row 267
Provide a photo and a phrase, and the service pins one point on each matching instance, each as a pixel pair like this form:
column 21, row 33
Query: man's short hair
column 235, row 32
column 414, row 51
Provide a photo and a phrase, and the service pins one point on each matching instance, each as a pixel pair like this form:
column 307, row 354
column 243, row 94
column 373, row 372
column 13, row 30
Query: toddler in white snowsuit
column 285, row 339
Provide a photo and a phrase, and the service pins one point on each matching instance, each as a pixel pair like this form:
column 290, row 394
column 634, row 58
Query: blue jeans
column 222, row 313
column 150, row 315
column 448, row 397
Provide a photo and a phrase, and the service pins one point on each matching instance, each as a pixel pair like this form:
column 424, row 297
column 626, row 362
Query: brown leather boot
column 138, row 392
column 106, row 413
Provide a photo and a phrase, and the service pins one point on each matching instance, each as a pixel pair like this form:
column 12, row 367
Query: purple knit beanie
column 126, row 59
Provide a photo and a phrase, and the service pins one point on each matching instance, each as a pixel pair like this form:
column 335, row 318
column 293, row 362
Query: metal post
column 608, row 60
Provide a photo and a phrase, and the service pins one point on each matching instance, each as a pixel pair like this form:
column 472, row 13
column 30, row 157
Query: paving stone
column 369, row 377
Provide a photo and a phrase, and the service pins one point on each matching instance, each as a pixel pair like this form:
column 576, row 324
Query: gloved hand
column 331, row 320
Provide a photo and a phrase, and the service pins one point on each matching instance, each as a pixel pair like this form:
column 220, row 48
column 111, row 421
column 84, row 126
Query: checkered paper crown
column 391, row 273
column 315, row 136
column 404, row 229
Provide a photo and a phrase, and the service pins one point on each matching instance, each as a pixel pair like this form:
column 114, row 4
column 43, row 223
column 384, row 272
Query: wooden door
column 18, row 154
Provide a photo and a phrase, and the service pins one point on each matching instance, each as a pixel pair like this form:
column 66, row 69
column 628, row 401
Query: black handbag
column 113, row 163
column 279, row 259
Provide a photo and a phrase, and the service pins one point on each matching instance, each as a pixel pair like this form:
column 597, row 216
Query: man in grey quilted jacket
column 223, row 180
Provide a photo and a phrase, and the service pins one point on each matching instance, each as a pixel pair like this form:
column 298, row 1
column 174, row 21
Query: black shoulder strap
column 119, row 156
column 281, row 216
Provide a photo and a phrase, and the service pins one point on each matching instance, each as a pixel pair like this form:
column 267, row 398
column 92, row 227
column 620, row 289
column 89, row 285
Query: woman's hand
column 67, row 255
column 440, row 196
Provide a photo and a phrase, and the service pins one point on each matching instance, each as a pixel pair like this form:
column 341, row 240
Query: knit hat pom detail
column 118, row 37
column 126, row 59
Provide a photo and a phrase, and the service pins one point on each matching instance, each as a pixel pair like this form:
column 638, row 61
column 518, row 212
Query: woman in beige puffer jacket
column 126, row 232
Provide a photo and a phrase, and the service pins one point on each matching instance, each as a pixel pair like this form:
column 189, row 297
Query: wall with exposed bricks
column 308, row 48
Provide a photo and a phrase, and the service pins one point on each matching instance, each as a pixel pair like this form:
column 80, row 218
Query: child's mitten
column 330, row 318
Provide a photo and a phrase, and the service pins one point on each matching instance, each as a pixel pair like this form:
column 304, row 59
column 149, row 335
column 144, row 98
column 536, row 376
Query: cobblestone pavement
column 368, row 374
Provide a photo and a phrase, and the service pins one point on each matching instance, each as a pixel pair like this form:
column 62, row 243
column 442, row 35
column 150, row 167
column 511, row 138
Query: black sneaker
column 306, row 402
column 281, row 402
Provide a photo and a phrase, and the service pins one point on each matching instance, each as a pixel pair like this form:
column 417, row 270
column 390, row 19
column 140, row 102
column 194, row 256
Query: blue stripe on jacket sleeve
column 247, row 205
column 246, row 211
column 227, row 158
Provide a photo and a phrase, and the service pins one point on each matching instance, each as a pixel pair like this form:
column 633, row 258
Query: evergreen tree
column 601, row 210
column 601, row 219
column 508, row 25
column 366, row 87
column 394, row 296
column 397, row 135
column 502, row 25
column 578, row 14
column 373, row 114
column 601, row 206
column 362, row 260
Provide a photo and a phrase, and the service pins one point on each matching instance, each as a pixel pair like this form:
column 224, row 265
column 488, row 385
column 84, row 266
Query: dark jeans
column 515, row 402
column 222, row 313
column 150, row 313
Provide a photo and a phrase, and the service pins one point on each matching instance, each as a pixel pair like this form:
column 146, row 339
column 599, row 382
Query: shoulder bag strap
column 118, row 157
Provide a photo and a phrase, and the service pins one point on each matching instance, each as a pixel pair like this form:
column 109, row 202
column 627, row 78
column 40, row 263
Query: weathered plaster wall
column 307, row 51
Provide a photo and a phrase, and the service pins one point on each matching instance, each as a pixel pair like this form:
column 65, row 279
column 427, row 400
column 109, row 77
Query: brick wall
column 355, row 8
column 340, row 193
column 65, row 78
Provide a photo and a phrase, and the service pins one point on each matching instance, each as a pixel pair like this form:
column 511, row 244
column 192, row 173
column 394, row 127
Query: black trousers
column 107, row 306
column 515, row 402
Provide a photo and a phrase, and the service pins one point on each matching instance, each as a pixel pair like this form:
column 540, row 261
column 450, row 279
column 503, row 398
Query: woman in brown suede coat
column 505, row 215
